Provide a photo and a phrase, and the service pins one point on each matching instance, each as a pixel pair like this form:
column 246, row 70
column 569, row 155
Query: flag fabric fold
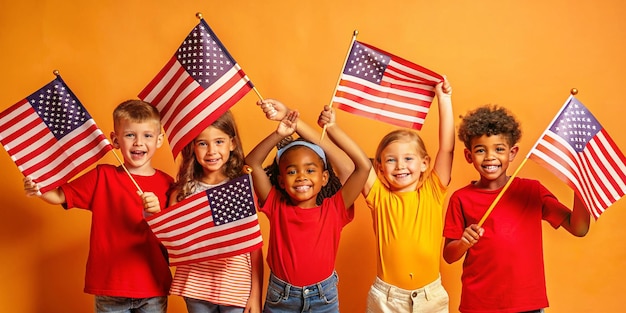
column 216, row 223
column 578, row 150
column 196, row 86
column 379, row 85
column 50, row 135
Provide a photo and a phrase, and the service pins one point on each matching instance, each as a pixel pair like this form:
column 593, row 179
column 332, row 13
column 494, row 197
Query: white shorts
column 386, row 298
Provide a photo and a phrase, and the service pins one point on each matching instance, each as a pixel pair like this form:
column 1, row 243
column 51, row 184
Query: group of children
column 308, row 194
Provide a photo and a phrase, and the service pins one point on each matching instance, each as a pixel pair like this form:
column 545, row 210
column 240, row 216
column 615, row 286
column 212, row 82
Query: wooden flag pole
column 200, row 17
column 354, row 34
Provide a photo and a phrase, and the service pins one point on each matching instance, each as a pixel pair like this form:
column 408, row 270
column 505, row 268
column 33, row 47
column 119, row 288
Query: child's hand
column 287, row 125
column 327, row 117
column 443, row 89
column 471, row 234
column 151, row 204
column 274, row 110
column 31, row 189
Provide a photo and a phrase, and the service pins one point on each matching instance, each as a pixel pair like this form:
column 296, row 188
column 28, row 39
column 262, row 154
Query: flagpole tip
column 199, row 15
column 574, row 91
column 55, row 72
column 356, row 32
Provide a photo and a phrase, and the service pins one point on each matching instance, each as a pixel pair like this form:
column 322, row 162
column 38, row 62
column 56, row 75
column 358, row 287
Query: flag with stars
column 379, row 85
column 216, row 223
column 198, row 84
column 580, row 152
column 50, row 136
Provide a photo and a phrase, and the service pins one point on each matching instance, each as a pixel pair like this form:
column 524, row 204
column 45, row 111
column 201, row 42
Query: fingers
column 31, row 188
column 472, row 234
column 151, row 203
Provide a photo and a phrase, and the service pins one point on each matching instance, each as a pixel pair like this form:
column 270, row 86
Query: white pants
column 386, row 298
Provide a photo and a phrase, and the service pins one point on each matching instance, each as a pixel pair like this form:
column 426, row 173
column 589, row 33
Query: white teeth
column 302, row 188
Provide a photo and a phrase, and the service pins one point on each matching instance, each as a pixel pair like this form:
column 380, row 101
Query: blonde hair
column 137, row 111
column 403, row 135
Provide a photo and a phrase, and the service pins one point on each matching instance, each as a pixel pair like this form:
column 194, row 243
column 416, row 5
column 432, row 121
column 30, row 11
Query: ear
column 160, row 139
column 325, row 177
column 513, row 152
column 468, row 155
column 424, row 165
column 114, row 141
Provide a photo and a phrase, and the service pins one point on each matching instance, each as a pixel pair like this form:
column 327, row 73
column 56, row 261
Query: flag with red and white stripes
column 578, row 150
column 196, row 86
column 216, row 223
column 50, row 135
column 379, row 85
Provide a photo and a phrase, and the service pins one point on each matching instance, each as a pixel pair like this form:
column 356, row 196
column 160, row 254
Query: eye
column 479, row 151
column 500, row 149
column 291, row 172
column 310, row 170
column 409, row 159
column 390, row 160
column 220, row 141
column 129, row 135
column 201, row 144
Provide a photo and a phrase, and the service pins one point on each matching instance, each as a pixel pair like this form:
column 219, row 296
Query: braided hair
column 332, row 186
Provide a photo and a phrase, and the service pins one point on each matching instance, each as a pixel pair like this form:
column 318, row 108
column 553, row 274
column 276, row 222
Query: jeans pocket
column 331, row 293
column 274, row 294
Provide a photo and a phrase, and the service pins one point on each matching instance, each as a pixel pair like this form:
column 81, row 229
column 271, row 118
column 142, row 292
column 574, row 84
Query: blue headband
column 317, row 149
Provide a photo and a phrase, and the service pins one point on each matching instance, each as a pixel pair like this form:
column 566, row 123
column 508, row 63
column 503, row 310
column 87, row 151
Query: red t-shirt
column 504, row 271
column 125, row 257
column 304, row 242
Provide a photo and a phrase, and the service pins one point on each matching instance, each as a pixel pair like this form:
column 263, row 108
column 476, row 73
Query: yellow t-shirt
column 408, row 228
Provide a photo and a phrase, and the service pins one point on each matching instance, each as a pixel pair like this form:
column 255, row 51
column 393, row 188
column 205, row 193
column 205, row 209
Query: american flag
column 382, row 86
column 580, row 152
column 50, row 136
column 198, row 84
column 212, row 224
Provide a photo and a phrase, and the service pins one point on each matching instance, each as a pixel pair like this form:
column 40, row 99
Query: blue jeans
column 202, row 306
column 106, row 304
column 283, row 297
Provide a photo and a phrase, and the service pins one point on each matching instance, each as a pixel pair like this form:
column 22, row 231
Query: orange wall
column 525, row 55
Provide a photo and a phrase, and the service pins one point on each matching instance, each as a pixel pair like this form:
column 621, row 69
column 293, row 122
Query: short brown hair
column 136, row 111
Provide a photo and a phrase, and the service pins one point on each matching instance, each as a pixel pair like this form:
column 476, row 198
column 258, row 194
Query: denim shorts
column 106, row 304
column 283, row 297
column 202, row 306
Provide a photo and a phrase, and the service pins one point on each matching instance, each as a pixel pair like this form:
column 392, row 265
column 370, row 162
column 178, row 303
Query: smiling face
column 212, row 149
column 302, row 175
column 491, row 156
column 401, row 165
column 137, row 141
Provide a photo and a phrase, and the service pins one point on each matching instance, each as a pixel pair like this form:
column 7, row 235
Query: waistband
column 394, row 292
column 306, row 291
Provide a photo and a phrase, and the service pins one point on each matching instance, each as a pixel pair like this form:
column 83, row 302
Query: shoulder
column 163, row 175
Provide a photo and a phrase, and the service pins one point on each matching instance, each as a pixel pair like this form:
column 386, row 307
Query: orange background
column 525, row 55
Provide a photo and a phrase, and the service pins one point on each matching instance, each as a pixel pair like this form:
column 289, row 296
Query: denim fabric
column 317, row 298
column 106, row 304
column 201, row 306
column 385, row 298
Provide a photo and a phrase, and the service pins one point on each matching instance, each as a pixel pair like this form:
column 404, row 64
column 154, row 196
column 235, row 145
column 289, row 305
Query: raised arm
column 362, row 165
column 275, row 110
column 54, row 196
column 445, row 154
column 257, row 156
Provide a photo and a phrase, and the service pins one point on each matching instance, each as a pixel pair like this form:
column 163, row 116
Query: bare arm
column 257, row 156
column 362, row 165
column 275, row 110
column 256, row 291
column 578, row 221
column 445, row 154
column 455, row 249
column 55, row 196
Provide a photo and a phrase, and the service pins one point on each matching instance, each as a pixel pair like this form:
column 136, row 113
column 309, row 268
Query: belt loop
column 427, row 292
column 287, row 290
column 320, row 289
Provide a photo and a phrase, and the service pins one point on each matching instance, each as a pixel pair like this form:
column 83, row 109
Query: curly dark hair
column 489, row 120
column 331, row 188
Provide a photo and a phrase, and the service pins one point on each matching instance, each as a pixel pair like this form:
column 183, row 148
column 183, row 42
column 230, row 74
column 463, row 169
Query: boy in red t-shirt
column 127, row 266
column 503, row 269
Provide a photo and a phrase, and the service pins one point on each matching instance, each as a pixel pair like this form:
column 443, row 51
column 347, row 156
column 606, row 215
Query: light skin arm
column 454, row 249
column 342, row 165
column 254, row 301
column 362, row 165
column 257, row 156
column 445, row 154
column 31, row 189
column 578, row 221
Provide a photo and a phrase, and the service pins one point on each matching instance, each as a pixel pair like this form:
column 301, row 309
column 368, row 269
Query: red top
column 304, row 242
column 125, row 257
column 504, row 271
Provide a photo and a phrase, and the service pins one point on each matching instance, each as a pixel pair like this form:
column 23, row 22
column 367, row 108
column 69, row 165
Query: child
column 306, row 216
column 406, row 201
column 229, row 284
column 127, row 268
column 503, row 267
